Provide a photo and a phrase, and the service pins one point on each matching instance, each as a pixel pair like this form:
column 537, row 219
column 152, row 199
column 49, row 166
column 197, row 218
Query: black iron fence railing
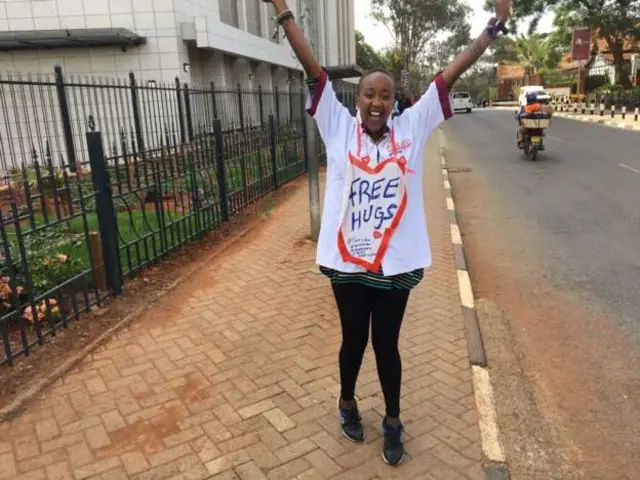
column 102, row 178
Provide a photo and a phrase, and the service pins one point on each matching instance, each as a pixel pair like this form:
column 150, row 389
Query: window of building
column 229, row 12
column 254, row 12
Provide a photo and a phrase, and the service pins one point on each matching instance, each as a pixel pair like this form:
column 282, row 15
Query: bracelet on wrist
column 492, row 31
column 283, row 16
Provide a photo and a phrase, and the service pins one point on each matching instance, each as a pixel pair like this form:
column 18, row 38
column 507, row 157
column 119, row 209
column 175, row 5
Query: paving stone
column 240, row 381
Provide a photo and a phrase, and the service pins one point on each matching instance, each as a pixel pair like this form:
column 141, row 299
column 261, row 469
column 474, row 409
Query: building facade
column 228, row 42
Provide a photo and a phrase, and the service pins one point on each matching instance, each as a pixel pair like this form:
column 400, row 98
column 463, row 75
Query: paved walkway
column 234, row 376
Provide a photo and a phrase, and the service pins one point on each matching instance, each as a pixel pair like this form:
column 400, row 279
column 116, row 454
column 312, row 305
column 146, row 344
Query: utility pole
column 311, row 140
column 313, row 167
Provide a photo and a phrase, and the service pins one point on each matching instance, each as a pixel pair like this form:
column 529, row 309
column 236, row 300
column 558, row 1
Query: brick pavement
column 234, row 376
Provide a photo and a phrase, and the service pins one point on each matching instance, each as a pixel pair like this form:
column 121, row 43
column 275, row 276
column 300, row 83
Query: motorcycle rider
column 534, row 105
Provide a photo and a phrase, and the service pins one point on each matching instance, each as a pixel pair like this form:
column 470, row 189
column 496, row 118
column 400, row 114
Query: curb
column 598, row 120
column 27, row 394
column 495, row 467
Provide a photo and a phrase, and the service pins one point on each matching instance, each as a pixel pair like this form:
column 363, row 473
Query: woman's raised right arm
column 297, row 40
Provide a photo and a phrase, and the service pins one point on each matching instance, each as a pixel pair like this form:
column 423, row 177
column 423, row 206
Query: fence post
column 187, row 107
column 66, row 119
column 304, row 130
column 276, row 93
column 602, row 109
column 135, row 107
column 272, row 144
column 260, row 100
column 290, row 104
column 183, row 134
column 156, row 175
column 99, row 270
column 213, row 100
column 624, row 112
column 637, row 114
column 107, row 220
column 222, row 177
column 195, row 198
column 613, row 110
column 240, row 109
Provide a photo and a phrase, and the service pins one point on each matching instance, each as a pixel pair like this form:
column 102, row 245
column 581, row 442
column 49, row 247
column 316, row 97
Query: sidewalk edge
column 9, row 411
column 598, row 120
column 495, row 459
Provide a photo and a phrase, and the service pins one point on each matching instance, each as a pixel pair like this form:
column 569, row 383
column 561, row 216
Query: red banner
column 581, row 49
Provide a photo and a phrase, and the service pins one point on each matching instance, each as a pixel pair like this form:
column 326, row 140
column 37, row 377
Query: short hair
column 368, row 73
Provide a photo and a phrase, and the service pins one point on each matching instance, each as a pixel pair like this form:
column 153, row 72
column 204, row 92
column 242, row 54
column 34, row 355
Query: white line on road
column 622, row 165
column 557, row 139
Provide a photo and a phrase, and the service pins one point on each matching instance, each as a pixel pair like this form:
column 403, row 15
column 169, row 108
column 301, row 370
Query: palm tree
column 533, row 52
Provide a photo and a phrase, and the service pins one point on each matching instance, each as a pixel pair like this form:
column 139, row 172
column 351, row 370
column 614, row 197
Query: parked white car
column 462, row 101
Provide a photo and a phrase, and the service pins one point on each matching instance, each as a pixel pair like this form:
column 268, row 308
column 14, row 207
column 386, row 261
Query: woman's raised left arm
column 466, row 59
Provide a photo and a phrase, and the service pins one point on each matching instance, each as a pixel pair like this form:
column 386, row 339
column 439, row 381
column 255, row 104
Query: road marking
column 455, row 234
column 450, row 205
column 466, row 292
column 622, row 165
column 557, row 139
column 489, row 431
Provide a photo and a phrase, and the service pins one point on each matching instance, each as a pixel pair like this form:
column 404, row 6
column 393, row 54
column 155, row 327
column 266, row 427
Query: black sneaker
column 351, row 423
column 393, row 451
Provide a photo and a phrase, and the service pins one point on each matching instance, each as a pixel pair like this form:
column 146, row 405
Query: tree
column 617, row 22
column 366, row 55
column 441, row 53
column 534, row 52
column 393, row 62
column 478, row 80
column 413, row 24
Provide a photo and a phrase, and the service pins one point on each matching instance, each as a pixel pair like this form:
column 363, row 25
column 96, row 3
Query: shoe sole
column 384, row 459
column 353, row 440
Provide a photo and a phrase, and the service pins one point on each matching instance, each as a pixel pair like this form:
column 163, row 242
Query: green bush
column 597, row 82
column 54, row 256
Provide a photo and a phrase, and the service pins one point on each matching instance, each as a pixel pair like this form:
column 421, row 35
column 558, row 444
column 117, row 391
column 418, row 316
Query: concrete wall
column 155, row 19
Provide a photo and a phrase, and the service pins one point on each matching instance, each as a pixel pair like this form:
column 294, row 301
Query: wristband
column 495, row 28
column 283, row 16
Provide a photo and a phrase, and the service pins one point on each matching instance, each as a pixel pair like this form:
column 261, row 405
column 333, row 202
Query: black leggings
column 359, row 306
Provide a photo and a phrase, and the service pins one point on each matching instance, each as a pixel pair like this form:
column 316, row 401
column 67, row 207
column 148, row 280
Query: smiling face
column 375, row 100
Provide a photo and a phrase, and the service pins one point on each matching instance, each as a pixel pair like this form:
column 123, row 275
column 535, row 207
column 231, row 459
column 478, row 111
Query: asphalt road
column 554, row 253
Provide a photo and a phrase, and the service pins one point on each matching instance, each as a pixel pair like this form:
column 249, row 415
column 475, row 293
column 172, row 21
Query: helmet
column 532, row 97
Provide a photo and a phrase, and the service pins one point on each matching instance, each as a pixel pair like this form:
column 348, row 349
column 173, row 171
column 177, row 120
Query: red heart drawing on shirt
column 376, row 203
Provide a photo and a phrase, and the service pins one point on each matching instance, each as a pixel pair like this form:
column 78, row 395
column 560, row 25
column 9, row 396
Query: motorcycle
column 534, row 134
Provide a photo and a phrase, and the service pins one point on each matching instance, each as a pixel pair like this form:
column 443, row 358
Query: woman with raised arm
column 373, row 243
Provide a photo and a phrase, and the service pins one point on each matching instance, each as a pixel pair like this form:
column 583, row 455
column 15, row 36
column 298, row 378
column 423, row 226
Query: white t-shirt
column 408, row 248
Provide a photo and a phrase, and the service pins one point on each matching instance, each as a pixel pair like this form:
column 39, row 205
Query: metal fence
column 630, row 99
column 53, row 109
column 103, row 178
column 617, row 100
